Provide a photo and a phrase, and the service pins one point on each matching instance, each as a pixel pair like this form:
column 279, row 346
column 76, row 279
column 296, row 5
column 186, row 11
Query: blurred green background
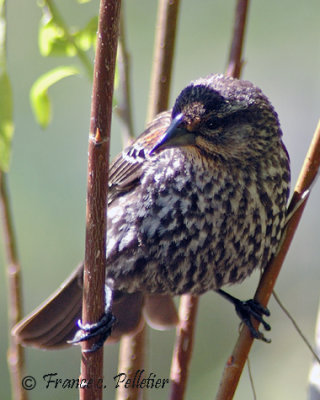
column 48, row 183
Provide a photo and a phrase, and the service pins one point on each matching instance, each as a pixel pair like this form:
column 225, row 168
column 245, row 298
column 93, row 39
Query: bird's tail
column 54, row 322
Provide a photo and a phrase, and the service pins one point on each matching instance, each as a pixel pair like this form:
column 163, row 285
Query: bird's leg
column 248, row 309
column 100, row 330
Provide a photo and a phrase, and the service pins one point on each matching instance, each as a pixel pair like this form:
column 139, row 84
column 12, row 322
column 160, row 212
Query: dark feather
column 125, row 172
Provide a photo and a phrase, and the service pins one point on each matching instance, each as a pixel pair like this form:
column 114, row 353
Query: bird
column 197, row 202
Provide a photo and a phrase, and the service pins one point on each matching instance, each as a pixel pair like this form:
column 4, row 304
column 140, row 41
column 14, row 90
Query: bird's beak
column 175, row 136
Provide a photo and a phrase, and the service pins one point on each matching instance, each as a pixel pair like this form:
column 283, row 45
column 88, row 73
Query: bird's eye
column 212, row 123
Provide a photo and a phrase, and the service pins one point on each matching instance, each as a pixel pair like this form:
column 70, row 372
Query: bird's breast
column 192, row 227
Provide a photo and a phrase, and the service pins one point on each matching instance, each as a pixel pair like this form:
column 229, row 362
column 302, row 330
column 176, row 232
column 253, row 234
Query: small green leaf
column 53, row 41
column 39, row 98
column 6, row 121
column 83, row 1
column 86, row 37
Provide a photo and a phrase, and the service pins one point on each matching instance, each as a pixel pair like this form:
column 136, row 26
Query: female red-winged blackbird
column 198, row 201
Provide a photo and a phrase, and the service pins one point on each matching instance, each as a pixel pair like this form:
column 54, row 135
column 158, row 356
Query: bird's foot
column 247, row 310
column 251, row 308
column 100, row 330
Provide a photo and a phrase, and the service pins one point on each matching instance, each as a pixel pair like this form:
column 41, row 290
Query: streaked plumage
column 198, row 201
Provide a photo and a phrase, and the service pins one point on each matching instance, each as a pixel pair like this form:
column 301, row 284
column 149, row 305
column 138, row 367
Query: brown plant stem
column 235, row 56
column 189, row 304
column 132, row 347
column 163, row 57
column 158, row 101
column 15, row 355
column 183, row 346
column 237, row 359
column 124, row 109
column 131, row 352
column 234, row 70
column 131, row 359
column 159, row 95
column 97, row 187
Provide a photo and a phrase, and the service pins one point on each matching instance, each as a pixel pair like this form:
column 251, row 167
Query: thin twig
column 254, row 394
column 183, row 346
column 124, row 109
column 237, row 359
column 131, row 359
column 15, row 354
column 296, row 326
column 235, row 56
column 314, row 374
column 85, row 60
column 159, row 95
column 163, row 57
column 97, row 187
column 132, row 348
column 160, row 86
column 189, row 303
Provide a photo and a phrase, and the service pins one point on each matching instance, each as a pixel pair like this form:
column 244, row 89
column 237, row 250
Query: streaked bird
column 197, row 202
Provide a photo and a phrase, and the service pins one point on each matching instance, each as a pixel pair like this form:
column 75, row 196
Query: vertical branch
column 159, row 95
column 124, row 110
column 189, row 304
column 163, row 57
column 132, row 347
column 15, row 354
column 131, row 358
column 183, row 346
column 98, row 166
column 235, row 56
column 131, row 351
column 162, row 65
column 237, row 359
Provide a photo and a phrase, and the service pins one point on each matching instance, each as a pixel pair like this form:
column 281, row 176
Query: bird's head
column 224, row 117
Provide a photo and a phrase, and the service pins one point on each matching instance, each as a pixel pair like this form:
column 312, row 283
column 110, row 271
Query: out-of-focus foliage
column 56, row 39
column 6, row 122
column 40, row 101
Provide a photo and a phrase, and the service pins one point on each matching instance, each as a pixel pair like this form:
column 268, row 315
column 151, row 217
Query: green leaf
column 53, row 41
column 6, row 121
column 86, row 37
column 39, row 98
column 83, row 1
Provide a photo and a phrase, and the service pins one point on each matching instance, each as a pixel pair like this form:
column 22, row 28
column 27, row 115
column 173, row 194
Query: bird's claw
column 252, row 308
column 100, row 330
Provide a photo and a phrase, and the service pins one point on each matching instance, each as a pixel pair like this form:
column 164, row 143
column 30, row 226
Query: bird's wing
column 125, row 172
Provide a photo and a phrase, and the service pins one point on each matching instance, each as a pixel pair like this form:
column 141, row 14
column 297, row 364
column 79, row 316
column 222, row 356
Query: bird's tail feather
column 54, row 322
